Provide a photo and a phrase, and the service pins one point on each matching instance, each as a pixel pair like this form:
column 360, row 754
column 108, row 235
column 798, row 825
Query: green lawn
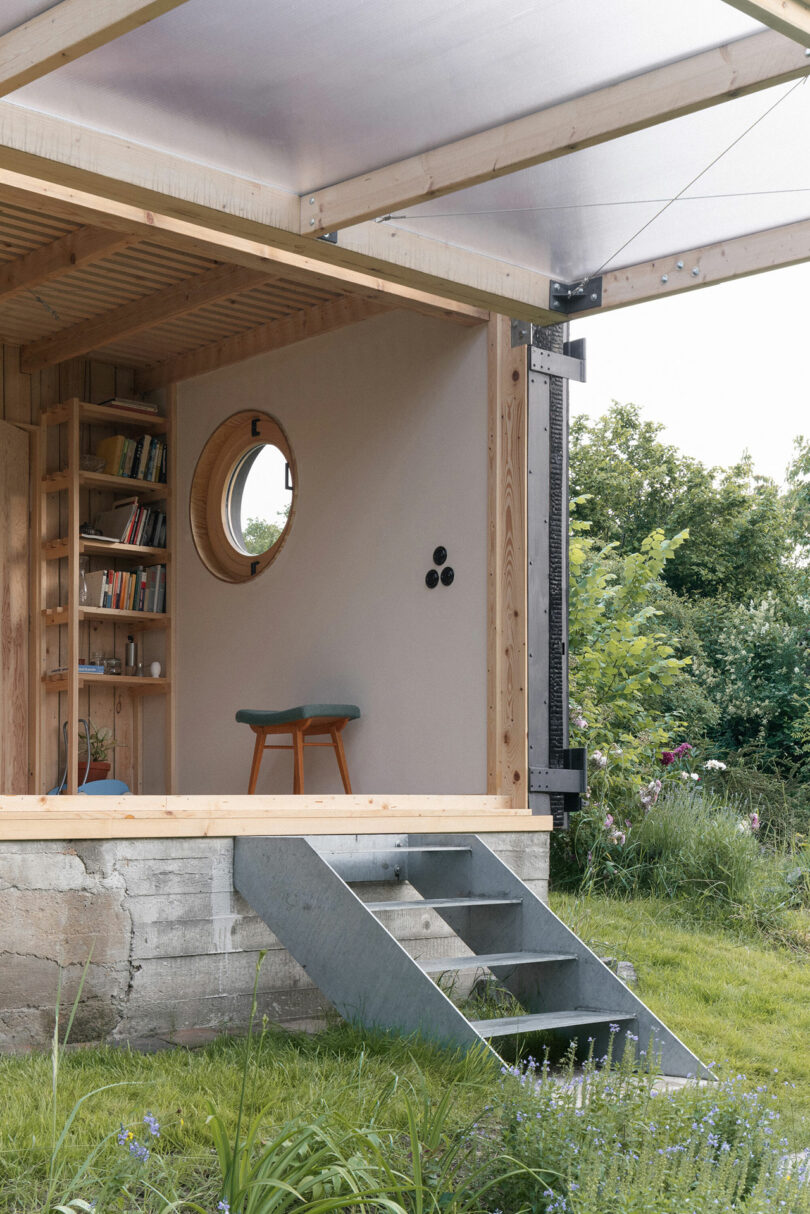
column 743, row 1005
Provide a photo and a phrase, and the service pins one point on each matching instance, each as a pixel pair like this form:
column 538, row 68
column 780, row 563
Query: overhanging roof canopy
column 475, row 150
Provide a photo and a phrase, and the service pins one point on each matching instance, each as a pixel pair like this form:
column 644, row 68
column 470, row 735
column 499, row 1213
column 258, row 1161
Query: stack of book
column 136, row 589
column 128, row 522
column 130, row 406
column 142, row 459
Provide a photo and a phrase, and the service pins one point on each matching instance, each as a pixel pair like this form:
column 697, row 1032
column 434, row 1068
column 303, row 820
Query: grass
column 295, row 1075
column 741, row 1004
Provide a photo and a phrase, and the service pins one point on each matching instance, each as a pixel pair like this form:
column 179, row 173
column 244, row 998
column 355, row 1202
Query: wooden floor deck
column 155, row 817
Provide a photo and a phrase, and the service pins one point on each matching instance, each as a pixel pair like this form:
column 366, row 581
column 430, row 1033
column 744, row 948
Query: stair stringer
column 584, row 983
column 349, row 955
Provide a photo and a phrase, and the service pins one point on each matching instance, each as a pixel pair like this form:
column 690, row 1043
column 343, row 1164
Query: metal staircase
column 301, row 888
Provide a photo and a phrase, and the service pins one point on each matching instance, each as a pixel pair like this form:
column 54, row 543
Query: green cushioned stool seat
column 258, row 716
column 305, row 721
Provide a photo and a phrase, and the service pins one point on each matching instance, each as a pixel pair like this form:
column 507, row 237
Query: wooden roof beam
column 144, row 313
column 788, row 17
column 69, row 252
column 89, row 177
column 67, row 31
column 309, row 322
column 643, row 101
column 772, row 249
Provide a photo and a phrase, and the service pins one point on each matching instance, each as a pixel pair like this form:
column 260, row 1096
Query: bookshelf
column 129, row 579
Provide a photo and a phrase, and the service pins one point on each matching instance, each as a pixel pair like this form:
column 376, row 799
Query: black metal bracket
column 572, row 297
column 329, row 237
column 288, row 484
column 571, row 778
column 254, row 427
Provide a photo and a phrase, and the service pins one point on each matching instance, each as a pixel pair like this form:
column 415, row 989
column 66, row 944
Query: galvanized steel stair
column 301, row 888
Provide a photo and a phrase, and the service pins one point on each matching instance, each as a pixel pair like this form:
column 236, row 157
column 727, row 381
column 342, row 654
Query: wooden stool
column 306, row 721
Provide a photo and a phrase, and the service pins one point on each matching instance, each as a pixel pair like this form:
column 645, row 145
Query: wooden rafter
column 772, row 249
column 789, row 17
column 309, row 322
column 643, row 101
column 144, row 313
column 67, row 31
column 68, row 253
column 96, row 178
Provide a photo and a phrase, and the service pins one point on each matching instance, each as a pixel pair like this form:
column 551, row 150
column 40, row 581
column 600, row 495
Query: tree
column 741, row 527
column 259, row 534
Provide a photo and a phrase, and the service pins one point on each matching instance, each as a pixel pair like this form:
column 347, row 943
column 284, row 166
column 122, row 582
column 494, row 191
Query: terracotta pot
column 99, row 770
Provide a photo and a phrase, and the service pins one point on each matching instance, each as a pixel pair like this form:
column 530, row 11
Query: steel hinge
column 570, row 778
column 570, row 364
column 573, row 297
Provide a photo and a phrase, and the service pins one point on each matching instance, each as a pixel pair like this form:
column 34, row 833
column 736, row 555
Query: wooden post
column 507, row 753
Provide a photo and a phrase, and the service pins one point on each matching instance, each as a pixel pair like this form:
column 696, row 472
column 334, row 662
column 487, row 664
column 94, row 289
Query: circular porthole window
column 243, row 496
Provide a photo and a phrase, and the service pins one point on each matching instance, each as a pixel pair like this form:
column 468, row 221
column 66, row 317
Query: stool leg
column 340, row 754
column 298, row 769
column 258, row 751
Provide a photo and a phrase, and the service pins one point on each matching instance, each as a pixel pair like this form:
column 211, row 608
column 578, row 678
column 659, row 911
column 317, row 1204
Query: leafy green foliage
column 259, row 534
column 741, row 527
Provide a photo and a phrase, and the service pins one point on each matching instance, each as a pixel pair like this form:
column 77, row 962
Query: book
column 130, row 406
column 111, row 451
column 83, row 668
column 95, row 583
column 117, row 522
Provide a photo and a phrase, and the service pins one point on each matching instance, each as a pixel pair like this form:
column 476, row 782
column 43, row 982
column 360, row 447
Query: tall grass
column 697, row 850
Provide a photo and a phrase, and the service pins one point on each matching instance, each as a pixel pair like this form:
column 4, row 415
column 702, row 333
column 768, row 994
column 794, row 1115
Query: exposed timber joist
column 643, row 101
column 789, row 17
column 67, row 31
column 772, row 249
column 144, row 313
column 97, row 178
column 310, row 322
column 60, row 257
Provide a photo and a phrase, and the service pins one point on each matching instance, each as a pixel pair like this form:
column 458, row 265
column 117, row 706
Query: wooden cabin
column 288, row 305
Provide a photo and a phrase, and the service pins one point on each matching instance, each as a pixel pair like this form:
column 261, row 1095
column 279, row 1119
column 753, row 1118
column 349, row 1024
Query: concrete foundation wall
column 173, row 947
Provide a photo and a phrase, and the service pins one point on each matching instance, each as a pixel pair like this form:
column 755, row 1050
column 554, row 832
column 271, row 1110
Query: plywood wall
column 21, row 399
column 388, row 423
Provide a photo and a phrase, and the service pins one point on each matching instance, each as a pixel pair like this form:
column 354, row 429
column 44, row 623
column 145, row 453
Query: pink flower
column 608, row 821
column 754, row 820
column 681, row 750
column 667, row 757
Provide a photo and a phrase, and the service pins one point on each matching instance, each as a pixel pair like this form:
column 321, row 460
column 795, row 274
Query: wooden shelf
column 56, row 550
column 58, row 482
column 139, row 620
column 147, row 423
column 144, row 686
column 113, row 702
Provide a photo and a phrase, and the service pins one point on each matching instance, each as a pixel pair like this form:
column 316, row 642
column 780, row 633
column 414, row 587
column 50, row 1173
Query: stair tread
column 438, row 903
column 536, row 1021
column 490, row 960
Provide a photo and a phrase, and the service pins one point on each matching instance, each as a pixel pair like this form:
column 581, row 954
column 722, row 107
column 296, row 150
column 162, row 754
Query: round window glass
column 258, row 499
column 243, row 494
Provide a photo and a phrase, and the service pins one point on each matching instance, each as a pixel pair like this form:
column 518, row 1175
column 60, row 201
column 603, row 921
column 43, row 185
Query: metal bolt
column 312, row 222
column 679, row 265
column 312, row 201
column 556, row 286
column 665, row 278
column 594, row 298
column 695, row 272
column 807, row 52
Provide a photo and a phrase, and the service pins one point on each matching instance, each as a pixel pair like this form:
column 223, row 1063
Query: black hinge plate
column 573, row 297
column 571, row 778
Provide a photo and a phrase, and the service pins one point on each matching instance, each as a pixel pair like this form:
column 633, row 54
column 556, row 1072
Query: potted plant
column 101, row 744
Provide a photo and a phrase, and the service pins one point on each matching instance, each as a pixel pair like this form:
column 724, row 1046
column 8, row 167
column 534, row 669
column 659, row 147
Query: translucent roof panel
column 749, row 161
column 302, row 95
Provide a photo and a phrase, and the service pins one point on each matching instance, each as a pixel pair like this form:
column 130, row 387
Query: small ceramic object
column 154, row 670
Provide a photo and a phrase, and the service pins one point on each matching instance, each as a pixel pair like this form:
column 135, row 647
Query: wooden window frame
column 228, row 444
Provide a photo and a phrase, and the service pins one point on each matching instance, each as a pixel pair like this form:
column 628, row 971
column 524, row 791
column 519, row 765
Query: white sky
column 264, row 495
column 724, row 368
